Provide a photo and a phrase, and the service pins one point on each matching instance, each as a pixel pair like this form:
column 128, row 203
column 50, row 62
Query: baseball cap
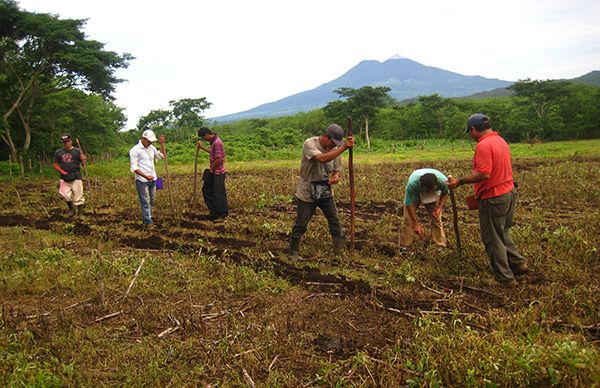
column 336, row 133
column 65, row 136
column 428, row 196
column 476, row 119
column 149, row 135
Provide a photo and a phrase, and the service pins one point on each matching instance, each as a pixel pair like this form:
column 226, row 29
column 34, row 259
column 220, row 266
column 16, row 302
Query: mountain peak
column 397, row 56
column 405, row 77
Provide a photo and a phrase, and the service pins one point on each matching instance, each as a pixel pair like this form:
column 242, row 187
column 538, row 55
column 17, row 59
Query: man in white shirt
column 141, row 158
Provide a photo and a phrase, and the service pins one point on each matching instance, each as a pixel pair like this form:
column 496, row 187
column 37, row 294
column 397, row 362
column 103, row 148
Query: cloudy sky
column 243, row 53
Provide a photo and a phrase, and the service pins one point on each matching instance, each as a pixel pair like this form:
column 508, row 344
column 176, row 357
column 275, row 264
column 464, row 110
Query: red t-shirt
column 492, row 156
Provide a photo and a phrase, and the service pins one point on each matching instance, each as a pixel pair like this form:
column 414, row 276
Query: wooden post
column 22, row 166
column 194, row 198
column 30, row 166
column 168, row 180
column 87, row 177
column 10, row 164
column 352, row 189
column 40, row 162
column 455, row 221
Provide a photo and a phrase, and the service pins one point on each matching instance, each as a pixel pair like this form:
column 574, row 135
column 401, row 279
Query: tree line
column 54, row 79
column 536, row 111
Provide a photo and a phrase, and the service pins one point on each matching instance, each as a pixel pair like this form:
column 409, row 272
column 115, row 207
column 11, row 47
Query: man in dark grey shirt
column 67, row 161
column 320, row 168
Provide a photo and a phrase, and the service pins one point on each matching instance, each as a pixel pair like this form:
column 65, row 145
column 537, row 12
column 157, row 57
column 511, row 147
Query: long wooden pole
column 352, row 189
column 87, row 177
column 455, row 221
column 168, row 180
column 194, row 198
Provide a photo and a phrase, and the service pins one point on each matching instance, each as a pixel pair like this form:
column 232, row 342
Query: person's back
column 492, row 156
column 494, row 187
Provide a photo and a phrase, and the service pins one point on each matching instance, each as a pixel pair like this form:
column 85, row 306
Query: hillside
column 405, row 77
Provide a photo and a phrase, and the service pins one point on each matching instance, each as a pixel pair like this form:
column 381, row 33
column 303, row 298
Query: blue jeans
column 146, row 193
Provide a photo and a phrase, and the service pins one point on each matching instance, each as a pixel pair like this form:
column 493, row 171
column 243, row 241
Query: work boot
column 71, row 211
column 520, row 269
column 295, row 249
column 79, row 210
column 339, row 245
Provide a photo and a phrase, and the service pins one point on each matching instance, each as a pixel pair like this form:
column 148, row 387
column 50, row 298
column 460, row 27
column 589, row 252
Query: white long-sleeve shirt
column 142, row 158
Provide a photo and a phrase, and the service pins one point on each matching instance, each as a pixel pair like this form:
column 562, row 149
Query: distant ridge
column 591, row 78
column 405, row 77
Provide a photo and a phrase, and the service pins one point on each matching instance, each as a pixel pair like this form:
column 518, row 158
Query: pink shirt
column 217, row 150
column 492, row 156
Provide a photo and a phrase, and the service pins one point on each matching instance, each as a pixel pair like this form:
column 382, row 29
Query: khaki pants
column 72, row 191
column 495, row 220
column 407, row 234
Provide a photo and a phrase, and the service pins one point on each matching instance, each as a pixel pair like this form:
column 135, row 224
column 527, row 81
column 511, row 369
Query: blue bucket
column 159, row 183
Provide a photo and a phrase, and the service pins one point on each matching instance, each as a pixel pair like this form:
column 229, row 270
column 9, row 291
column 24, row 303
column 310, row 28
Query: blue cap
column 476, row 119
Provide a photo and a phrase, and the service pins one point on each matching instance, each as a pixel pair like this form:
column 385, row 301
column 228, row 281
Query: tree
column 540, row 95
column 541, row 98
column 91, row 118
column 363, row 102
column 157, row 118
column 41, row 54
column 184, row 116
column 188, row 111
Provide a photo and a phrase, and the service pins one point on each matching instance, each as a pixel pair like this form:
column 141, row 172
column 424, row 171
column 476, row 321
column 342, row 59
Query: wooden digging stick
column 352, row 189
column 168, row 179
column 455, row 220
column 87, row 177
column 194, row 198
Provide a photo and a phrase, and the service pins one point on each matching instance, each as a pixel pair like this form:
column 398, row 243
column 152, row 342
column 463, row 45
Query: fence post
column 22, row 166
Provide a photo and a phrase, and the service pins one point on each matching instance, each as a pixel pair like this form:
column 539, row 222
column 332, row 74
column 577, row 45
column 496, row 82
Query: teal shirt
column 414, row 188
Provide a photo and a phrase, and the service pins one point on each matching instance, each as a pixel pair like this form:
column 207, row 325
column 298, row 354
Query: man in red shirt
column 494, row 189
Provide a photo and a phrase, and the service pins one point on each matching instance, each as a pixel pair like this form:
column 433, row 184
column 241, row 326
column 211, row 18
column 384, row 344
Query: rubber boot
column 339, row 245
column 71, row 211
column 295, row 249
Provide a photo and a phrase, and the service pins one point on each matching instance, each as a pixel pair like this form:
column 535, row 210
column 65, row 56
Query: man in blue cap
column 494, row 186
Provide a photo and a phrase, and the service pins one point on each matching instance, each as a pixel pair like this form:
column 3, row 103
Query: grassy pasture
column 223, row 305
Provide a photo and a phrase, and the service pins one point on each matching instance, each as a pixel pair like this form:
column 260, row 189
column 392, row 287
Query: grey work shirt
column 311, row 170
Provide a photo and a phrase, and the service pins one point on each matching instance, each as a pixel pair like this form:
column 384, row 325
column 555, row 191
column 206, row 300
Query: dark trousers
column 215, row 196
column 305, row 211
column 495, row 220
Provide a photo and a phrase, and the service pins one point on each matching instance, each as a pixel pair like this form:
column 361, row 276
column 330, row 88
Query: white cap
column 148, row 134
column 428, row 196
